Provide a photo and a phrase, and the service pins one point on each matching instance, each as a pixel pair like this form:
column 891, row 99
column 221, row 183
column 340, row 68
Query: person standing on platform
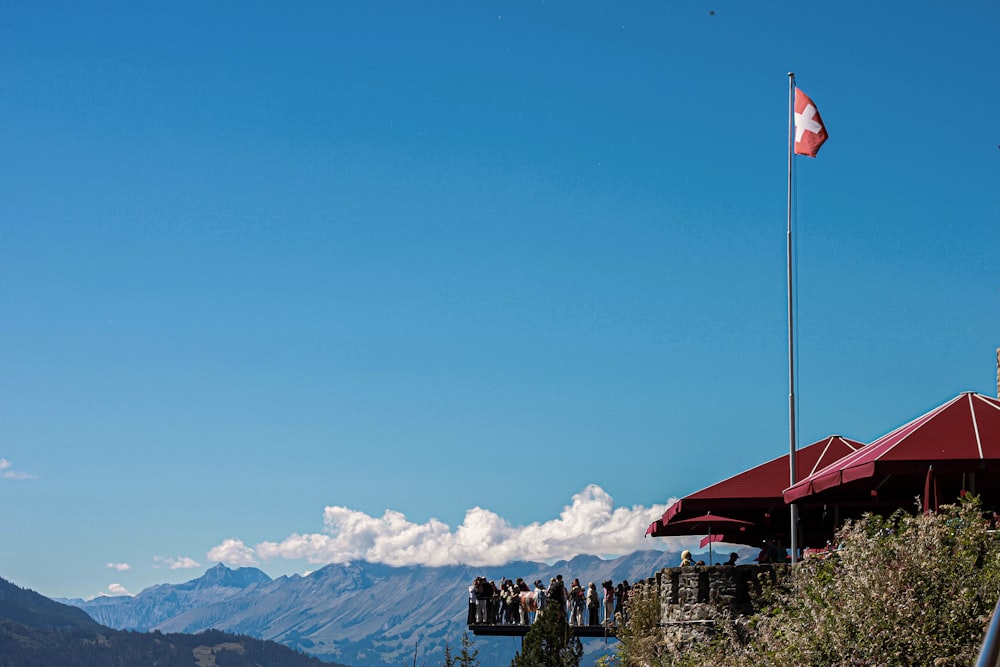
column 593, row 605
column 609, row 603
column 577, row 600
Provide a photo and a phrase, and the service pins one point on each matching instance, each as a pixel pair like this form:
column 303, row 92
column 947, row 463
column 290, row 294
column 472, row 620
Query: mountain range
column 360, row 614
column 38, row 632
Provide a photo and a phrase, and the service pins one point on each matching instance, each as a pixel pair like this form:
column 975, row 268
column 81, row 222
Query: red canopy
column 706, row 523
column 756, row 489
column 961, row 436
column 714, row 526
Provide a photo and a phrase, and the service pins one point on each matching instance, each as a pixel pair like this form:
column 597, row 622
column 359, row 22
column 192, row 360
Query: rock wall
column 692, row 598
column 705, row 592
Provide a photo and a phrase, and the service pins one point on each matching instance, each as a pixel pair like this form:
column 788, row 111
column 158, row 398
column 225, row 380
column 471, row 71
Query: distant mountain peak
column 220, row 575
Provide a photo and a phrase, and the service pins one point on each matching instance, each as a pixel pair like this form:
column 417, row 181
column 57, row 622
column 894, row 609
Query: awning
column 961, row 436
column 751, row 493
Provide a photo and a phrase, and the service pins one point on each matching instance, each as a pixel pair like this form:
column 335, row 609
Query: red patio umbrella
column 754, row 493
column 706, row 524
column 931, row 492
column 960, row 438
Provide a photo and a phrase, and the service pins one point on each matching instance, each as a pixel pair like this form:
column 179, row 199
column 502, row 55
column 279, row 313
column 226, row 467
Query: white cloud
column 179, row 563
column 120, row 567
column 590, row 524
column 117, row 589
column 232, row 552
column 7, row 471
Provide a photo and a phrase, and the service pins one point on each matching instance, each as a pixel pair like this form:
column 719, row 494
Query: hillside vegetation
column 902, row 590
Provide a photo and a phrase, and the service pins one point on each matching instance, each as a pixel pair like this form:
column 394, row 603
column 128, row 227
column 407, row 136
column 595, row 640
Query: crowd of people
column 514, row 602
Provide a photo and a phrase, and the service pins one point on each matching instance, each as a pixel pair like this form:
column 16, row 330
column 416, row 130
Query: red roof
column 963, row 431
column 759, row 487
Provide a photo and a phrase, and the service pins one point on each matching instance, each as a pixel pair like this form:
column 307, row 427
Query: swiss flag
column 810, row 133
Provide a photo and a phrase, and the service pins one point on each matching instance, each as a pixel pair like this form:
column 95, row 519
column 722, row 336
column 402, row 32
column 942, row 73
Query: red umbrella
column 931, row 492
column 704, row 524
column 960, row 438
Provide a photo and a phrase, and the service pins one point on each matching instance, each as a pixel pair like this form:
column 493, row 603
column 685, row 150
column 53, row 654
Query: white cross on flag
column 810, row 133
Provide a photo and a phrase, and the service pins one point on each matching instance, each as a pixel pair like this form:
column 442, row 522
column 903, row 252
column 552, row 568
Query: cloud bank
column 590, row 524
column 179, row 563
column 7, row 471
column 117, row 589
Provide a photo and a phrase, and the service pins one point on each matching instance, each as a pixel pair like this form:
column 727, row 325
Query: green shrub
column 639, row 639
column 902, row 590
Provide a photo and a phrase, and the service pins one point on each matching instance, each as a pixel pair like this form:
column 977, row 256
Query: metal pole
column 792, row 478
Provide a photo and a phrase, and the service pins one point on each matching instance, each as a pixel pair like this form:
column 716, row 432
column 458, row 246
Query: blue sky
column 514, row 272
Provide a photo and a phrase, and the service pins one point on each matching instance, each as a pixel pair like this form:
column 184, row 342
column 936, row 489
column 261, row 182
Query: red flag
column 705, row 541
column 810, row 133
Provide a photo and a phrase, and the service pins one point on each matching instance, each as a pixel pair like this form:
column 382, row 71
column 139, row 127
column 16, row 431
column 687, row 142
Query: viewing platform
column 511, row 609
column 510, row 630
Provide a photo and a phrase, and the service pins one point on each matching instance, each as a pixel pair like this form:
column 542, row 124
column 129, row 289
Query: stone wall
column 701, row 593
column 692, row 598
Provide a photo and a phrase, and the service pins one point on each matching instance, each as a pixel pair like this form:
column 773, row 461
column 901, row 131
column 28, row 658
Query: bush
column 902, row 590
column 640, row 642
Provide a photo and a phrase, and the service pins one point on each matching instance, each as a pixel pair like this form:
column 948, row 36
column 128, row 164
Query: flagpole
column 793, row 509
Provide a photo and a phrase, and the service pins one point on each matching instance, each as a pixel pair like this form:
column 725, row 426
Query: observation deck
column 511, row 630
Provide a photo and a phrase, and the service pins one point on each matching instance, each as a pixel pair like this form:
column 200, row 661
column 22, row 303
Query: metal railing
column 989, row 654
